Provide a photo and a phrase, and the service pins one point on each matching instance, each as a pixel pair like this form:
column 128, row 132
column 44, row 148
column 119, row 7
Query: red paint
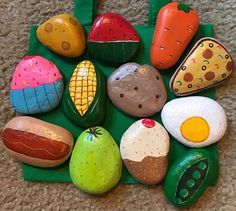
column 33, row 145
column 148, row 123
column 112, row 27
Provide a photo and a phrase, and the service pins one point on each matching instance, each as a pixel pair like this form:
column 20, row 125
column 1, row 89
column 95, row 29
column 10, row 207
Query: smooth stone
column 95, row 165
column 84, row 98
column 112, row 39
column 63, row 34
column 177, row 24
column 144, row 148
column 195, row 121
column 36, row 142
column 185, row 182
column 208, row 64
column 137, row 90
column 36, row 86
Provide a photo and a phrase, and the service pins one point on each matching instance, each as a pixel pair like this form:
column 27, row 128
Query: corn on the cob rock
column 83, row 85
column 84, row 98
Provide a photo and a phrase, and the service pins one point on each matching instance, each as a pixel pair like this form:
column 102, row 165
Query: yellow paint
column 194, row 64
column 80, row 93
column 63, row 34
column 195, row 129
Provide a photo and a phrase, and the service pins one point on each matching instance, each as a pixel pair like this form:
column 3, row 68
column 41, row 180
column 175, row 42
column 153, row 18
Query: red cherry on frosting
column 148, row 123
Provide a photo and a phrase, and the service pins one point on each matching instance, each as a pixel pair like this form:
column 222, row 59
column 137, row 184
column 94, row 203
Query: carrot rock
column 176, row 26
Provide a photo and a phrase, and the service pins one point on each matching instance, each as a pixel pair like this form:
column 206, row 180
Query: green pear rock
column 95, row 165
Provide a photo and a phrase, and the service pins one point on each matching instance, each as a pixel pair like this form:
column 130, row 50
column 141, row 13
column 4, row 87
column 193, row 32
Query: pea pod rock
column 112, row 39
column 189, row 177
column 207, row 65
column 36, row 86
column 84, row 98
column 95, row 165
column 62, row 34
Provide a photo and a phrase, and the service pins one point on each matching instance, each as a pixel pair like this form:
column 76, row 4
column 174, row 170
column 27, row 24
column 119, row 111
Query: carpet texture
column 16, row 18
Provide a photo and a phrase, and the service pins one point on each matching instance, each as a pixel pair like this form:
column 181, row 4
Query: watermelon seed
column 55, row 74
column 33, row 79
column 24, row 69
column 120, row 25
column 117, row 78
column 19, row 75
column 157, row 96
column 157, row 78
column 15, row 83
column 110, row 30
column 124, row 35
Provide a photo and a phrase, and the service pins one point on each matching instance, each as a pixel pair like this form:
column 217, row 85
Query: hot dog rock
column 36, row 142
column 144, row 148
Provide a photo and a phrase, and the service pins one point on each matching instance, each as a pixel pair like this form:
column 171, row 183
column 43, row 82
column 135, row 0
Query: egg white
column 177, row 111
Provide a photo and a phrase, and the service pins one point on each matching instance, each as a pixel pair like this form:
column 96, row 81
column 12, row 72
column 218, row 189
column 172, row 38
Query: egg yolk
column 195, row 129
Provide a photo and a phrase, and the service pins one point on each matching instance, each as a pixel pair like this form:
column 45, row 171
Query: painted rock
column 95, row 165
column 36, row 86
column 137, row 90
column 62, row 34
column 36, row 142
column 194, row 121
column 84, row 99
column 189, row 177
column 176, row 26
column 113, row 39
column 207, row 64
column 144, row 148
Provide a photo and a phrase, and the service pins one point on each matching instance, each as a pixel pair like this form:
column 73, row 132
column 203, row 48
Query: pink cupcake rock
column 37, row 86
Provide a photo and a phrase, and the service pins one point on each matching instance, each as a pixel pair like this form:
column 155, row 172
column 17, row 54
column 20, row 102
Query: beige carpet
column 16, row 17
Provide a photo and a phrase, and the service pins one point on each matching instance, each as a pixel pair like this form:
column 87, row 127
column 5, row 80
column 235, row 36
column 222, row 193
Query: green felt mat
column 116, row 122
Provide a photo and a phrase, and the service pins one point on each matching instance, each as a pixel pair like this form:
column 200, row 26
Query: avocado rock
column 189, row 176
column 112, row 39
column 36, row 86
column 137, row 90
column 144, row 148
column 95, row 165
column 208, row 64
column 62, row 34
column 84, row 98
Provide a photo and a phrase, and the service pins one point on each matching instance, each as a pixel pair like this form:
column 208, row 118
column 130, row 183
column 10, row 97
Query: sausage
column 36, row 142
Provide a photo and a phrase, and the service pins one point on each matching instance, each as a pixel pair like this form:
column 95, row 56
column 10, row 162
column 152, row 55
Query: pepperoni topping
column 229, row 66
column 148, row 123
column 209, row 76
column 188, row 77
column 207, row 54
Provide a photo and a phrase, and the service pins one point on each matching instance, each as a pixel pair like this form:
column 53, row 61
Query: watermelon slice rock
column 112, row 39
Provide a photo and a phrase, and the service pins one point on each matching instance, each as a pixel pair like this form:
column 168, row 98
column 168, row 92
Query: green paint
column 184, row 7
column 189, row 176
column 97, row 110
column 113, row 52
column 95, row 165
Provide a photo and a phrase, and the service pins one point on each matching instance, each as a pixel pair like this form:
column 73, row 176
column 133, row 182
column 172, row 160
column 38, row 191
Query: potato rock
column 144, row 148
column 84, row 98
column 36, row 142
column 62, row 34
column 195, row 121
column 36, row 86
column 95, row 165
column 112, row 39
column 137, row 90
column 207, row 65
column 189, row 177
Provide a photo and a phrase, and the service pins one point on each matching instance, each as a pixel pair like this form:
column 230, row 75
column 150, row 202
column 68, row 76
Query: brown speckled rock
column 137, row 90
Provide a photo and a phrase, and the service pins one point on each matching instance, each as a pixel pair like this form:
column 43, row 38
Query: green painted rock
column 95, row 165
column 189, row 177
column 84, row 98
column 113, row 39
